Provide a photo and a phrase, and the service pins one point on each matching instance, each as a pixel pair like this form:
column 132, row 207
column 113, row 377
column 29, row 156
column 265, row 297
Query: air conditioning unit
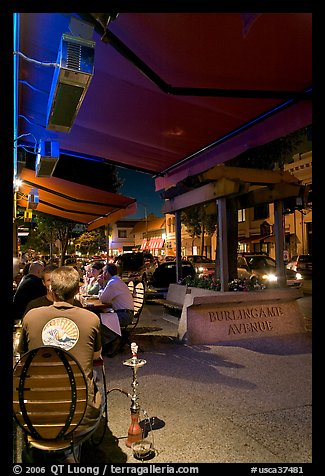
column 47, row 157
column 70, row 81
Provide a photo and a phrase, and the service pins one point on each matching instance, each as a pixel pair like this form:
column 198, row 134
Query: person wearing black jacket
column 31, row 287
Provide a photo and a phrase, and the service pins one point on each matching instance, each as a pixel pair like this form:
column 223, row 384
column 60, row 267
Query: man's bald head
column 36, row 268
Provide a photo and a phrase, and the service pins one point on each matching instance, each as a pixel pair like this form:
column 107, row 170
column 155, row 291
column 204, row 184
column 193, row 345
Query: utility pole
column 145, row 216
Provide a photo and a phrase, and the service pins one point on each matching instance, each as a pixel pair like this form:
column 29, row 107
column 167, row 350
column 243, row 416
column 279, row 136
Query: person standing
column 116, row 293
column 31, row 287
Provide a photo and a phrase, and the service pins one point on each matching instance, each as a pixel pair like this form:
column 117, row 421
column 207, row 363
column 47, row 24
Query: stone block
column 246, row 316
column 213, row 316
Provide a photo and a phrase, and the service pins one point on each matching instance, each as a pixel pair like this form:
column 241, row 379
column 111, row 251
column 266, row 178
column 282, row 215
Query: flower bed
column 213, row 284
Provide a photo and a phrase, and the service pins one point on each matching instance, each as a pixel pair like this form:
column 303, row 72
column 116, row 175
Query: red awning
column 174, row 94
column 75, row 202
column 159, row 243
column 155, row 243
column 143, row 245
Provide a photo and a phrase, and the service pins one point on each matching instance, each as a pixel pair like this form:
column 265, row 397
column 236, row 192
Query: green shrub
column 210, row 282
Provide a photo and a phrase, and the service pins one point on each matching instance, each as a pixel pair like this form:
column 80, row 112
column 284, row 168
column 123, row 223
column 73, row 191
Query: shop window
column 173, row 225
column 169, row 225
column 241, row 216
column 261, row 211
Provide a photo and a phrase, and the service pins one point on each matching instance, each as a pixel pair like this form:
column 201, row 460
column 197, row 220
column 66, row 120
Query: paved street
column 237, row 402
column 233, row 402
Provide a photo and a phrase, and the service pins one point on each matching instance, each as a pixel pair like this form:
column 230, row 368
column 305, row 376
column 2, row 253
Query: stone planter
column 214, row 316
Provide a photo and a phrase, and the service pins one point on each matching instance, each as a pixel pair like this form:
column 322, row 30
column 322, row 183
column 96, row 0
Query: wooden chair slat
column 50, row 399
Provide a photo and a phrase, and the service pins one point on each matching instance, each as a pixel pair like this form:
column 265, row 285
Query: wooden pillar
column 178, row 235
column 222, row 247
column 15, row 239
column 279, row 242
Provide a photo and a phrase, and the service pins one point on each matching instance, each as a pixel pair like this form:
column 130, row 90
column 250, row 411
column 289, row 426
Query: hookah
column 135, row 431
column 141, row 448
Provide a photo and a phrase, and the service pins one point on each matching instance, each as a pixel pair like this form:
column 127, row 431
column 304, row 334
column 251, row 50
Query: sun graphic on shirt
column 60, row 332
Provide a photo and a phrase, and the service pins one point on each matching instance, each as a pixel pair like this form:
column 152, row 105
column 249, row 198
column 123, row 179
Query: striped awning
column 152, row 244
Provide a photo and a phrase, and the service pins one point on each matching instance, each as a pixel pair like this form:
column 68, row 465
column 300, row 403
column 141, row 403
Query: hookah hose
column 120, row 390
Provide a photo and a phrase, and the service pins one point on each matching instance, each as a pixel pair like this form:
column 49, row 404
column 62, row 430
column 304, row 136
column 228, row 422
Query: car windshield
column 260, row 262
column 131, row 261
column 305, row 259
column 166, row 273
column 199, row 259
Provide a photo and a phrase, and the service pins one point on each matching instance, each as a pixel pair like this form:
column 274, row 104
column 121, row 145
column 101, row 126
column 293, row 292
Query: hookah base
column 143, row 450
column 135, row 432
column 133, row 438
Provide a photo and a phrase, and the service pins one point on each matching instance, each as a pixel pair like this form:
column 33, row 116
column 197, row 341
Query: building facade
column 255, row 227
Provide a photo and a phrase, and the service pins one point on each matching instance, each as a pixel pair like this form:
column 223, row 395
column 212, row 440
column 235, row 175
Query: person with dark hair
column 47, row 300
column 117, row 294
column 95, row 270
column 29, row 288
column 72, row 328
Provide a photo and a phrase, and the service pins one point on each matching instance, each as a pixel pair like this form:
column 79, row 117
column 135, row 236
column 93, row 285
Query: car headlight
column 270, row 277
column 298, row 276
column 201, row 269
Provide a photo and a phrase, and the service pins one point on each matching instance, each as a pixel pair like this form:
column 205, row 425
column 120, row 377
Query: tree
column 199, row 221
column 47, row 231
column 90, row 241
column 273, row 154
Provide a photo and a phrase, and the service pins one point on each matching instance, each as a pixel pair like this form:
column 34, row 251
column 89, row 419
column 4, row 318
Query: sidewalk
column 228, row 403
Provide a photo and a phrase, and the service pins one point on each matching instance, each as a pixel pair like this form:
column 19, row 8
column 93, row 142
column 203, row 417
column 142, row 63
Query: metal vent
column 70, row 82
column 46, row 166
column 74, row 53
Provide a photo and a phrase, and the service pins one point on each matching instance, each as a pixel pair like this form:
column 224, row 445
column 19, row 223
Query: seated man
column 72, row 328
column 29, row 288
column 47, row 300
column 117, row 294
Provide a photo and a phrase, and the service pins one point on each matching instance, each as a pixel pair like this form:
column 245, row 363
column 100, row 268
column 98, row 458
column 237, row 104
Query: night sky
column 142, row 187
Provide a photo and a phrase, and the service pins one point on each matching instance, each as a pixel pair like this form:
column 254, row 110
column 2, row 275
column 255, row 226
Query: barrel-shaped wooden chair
column 50, row 399
column 137, row 292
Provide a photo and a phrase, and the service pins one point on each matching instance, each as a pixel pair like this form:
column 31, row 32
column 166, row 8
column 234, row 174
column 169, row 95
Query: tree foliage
column 272, row 154
column 199, row 221
column 89, row 242
column 49, row 232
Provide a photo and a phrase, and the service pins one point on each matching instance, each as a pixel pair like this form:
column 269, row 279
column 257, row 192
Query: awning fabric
column 156, row 243
column 213, row 85
column 143, row 245
column 152, row 244
column 75, row 202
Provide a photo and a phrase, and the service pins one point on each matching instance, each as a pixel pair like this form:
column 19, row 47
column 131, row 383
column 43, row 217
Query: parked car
column 137, row 267
column 205, row 266
column 163, row 276
column 301, row 264
column 264, row 268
